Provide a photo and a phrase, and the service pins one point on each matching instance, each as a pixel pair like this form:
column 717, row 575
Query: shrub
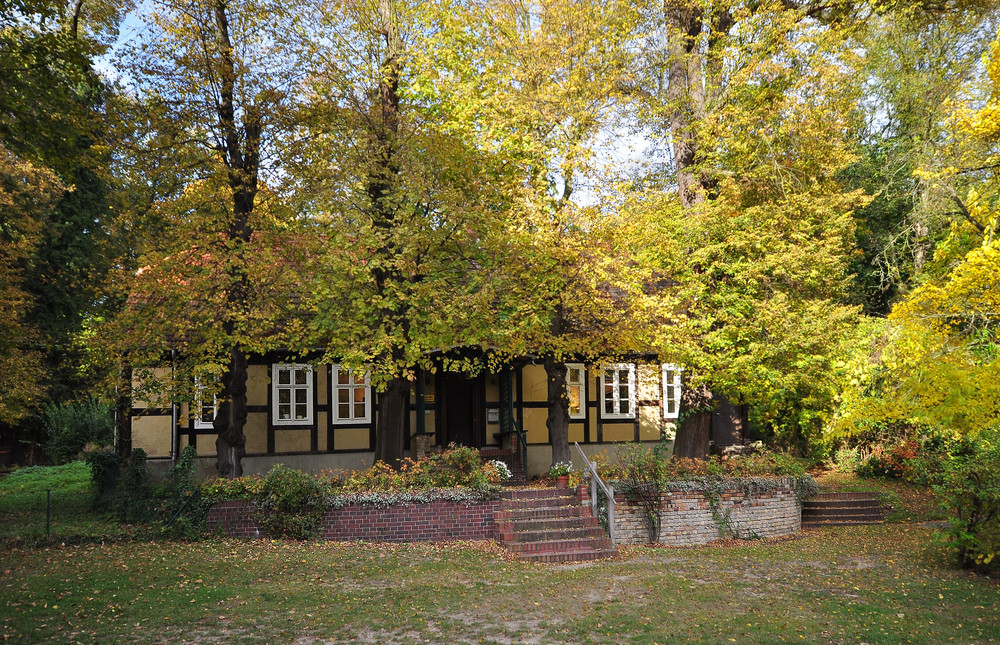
column 847, row 460
column 105, row 472
column 181, row 476
column 132, row 502
column 970, row 490
column 456, row 466
column 248, row 487
column 291, row 503
column 73, row 426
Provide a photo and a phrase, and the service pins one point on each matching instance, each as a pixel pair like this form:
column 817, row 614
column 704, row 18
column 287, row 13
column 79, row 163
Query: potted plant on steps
column 560, row 471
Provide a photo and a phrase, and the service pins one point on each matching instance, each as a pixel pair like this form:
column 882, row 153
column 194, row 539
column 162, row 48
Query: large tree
column 407, row 205
column 51, row 118
column 217, row 82
column 542, row 81
column 752, row 104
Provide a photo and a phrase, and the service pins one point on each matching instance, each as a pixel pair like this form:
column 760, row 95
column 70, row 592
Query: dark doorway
column 462, row 410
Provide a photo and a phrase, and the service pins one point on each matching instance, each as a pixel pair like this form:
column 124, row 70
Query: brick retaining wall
column 688, row 518
column 438, row 520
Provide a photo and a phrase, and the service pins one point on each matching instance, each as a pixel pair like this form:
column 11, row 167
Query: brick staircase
column 842, row 509
column 509, row 457
column 549, row 525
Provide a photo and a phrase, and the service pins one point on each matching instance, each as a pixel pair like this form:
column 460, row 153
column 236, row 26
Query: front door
column 462, row 421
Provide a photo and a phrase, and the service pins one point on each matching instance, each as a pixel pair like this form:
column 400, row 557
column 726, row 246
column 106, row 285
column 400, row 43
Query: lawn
column 881, row 584
column 890, row 583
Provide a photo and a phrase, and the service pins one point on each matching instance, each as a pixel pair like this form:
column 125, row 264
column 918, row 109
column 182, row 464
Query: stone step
column 577, row 555
column 518, row 494
column 541, row 502
column 844, row 517
column 548, row 535
column 545, row 512
column 820, row 525
column 546, row 524
column 841, row 503
column 549, row 546
column 852, row 495
column 836, row 510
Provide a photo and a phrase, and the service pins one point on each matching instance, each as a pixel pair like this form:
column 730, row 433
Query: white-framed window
column 351, row 395
column 576, row 390
column 671, row 391
column 204, row 406
column 618, row 391
column 292, row 394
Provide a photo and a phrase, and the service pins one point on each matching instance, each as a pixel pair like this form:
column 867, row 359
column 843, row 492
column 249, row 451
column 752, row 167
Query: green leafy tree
column 935, row 362
column 51, row 117
column 216, row 83
column 407, row 206
column 755, row 105
column 27, row 195
column 540, row 81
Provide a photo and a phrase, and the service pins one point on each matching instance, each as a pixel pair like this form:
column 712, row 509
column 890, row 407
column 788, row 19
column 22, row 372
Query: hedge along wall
column 434, row 521
column 689, row 519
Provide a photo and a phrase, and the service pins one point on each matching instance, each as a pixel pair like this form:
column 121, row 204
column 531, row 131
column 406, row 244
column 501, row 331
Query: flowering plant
column 560, row 469
column 502, row 470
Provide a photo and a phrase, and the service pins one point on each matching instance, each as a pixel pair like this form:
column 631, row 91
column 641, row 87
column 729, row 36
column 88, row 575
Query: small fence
column 57, row 510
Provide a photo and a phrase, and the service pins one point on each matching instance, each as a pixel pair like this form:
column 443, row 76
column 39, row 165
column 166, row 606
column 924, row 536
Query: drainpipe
column 174, row 413
column 421, row 417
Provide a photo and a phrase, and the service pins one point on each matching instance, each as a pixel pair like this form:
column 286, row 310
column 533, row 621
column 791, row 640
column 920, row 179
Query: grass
column 889, row 583
column 23, row 504
column 876, row 584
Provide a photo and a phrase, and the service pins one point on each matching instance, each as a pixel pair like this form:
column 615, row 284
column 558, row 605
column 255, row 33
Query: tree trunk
column 558, row 401
column 695, row 430
column 390, row 422
column 231, row 417
column 241, row 155
column 123, row 413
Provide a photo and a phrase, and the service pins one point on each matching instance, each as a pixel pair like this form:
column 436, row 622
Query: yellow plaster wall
column 321, row 374
column 576, row 432
column 291, row 440
column 152, row 434
column 492, row 386
column 321, row 419
column 256, row 433
column 351, row 439
column 649, row 423
column 533, row 382
column 619, row 432
column 206, row 445
column 534, row 425
column 257, row 377
column 592, row 423
column 491, row 430
column 592, row 382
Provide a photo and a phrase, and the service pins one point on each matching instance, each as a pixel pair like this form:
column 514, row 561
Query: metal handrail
column 522, row 443
column 608, row 491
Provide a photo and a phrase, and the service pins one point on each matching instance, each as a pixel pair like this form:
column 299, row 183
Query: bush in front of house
column 291, row 503
column 455, row 467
